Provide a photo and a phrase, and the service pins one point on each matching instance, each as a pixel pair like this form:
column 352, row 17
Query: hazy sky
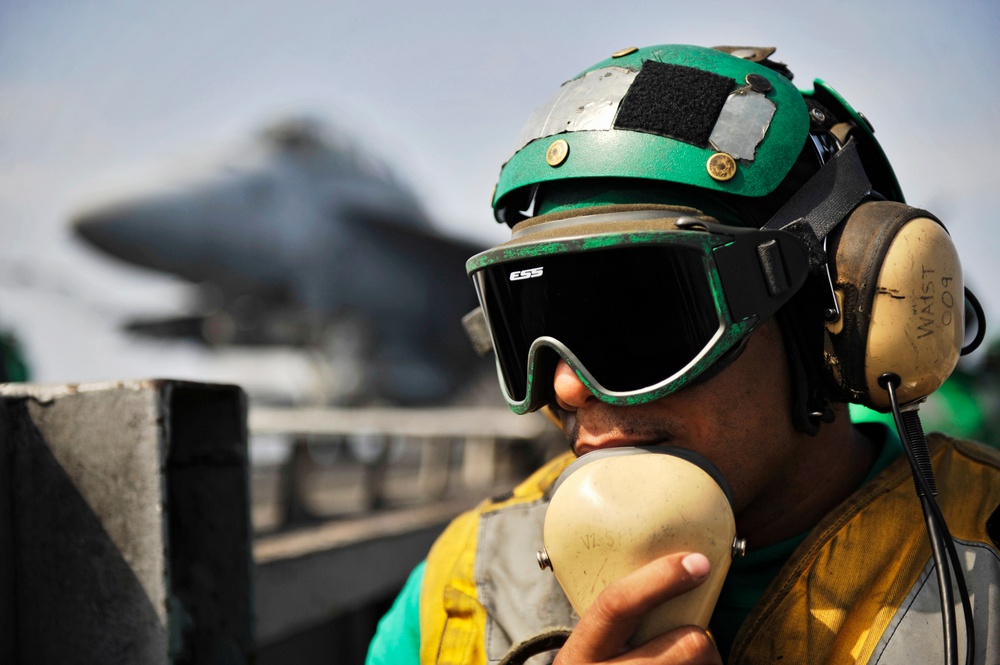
column 89, row 91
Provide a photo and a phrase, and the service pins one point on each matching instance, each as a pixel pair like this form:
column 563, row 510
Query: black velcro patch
column 675, row 101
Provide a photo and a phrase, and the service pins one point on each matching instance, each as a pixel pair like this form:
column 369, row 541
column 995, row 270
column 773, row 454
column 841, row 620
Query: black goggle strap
column 826, row 199
column 760, row 270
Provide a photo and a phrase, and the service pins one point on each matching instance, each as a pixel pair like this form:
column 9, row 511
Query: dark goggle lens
column 633, row 316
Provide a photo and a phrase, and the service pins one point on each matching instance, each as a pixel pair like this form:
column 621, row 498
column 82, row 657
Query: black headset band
column 828, row 196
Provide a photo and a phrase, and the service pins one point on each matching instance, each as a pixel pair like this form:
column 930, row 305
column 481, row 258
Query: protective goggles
column 637, row 314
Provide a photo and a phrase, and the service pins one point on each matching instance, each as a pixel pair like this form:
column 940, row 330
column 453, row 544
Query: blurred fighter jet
column 302, row 239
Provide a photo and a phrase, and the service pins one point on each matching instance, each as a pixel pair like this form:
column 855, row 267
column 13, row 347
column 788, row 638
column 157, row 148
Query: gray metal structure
column 125, row 532
column 300, row 238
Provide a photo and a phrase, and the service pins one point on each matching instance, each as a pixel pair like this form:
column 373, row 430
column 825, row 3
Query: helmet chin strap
column 801, row 332
column 822, row 203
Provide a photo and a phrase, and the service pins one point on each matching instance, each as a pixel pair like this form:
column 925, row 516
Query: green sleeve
column 397, row 638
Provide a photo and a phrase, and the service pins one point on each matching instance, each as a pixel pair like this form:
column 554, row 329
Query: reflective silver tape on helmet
column 586, row 103
column 742, row 124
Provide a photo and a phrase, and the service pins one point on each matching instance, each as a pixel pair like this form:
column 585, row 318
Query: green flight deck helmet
column 664, row 203
column 723, row 123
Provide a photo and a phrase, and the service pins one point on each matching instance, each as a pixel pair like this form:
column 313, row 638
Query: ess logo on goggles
column 526, row 274
column 637, row 315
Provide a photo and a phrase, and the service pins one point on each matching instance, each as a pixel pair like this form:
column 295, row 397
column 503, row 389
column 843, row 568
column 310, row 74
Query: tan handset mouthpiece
column 614, row 510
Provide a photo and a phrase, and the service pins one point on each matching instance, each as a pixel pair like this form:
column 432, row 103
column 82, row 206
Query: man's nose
column 571, row 394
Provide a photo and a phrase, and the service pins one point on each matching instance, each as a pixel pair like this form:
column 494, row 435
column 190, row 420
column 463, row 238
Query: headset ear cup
column 899, row 283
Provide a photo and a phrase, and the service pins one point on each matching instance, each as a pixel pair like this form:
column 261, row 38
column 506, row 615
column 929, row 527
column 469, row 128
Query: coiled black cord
column 971, row 298
column 917, row 452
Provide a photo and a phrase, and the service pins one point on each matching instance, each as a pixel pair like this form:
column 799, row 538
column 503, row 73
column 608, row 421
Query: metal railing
column 415, row 469
column 398, row 455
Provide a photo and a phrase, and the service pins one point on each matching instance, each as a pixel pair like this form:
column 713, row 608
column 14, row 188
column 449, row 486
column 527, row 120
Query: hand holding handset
column 614, row 510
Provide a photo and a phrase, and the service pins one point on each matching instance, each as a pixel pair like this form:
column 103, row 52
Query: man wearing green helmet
column 707, row 258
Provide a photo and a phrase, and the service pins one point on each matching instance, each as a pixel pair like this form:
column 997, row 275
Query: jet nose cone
column 106, row 228
column 142, row 231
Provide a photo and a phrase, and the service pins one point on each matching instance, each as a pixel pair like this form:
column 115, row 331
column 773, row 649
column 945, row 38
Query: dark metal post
column 124, row 524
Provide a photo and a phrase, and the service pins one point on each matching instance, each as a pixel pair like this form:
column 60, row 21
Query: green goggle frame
column 637, row 315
